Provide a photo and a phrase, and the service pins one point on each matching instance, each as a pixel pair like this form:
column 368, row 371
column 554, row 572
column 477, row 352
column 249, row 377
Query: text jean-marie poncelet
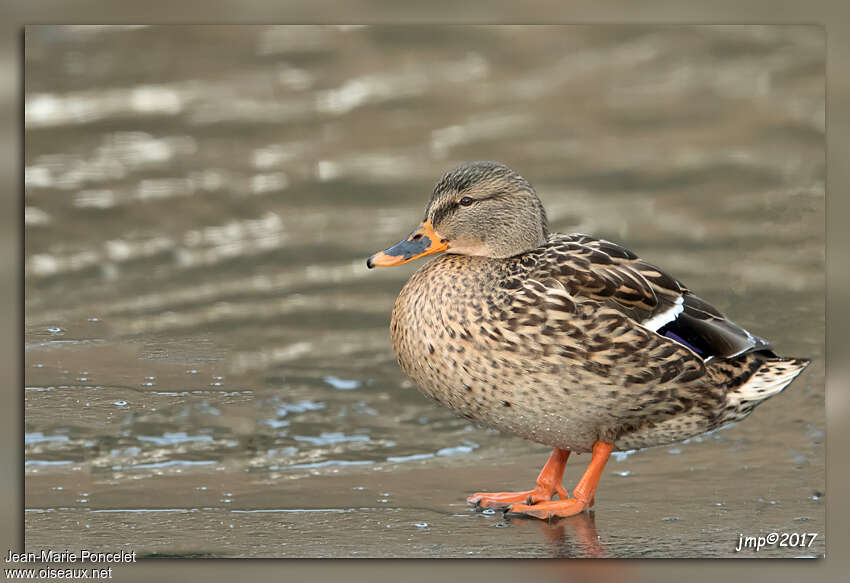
column 66, row 556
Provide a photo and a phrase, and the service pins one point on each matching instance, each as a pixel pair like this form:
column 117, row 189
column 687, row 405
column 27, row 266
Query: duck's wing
column 612, row 275
column 550, row 325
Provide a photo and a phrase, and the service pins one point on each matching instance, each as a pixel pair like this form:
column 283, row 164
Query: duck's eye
column 466, row 201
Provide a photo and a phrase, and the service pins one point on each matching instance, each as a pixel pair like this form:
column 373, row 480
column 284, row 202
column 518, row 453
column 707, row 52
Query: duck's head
column 479, row 208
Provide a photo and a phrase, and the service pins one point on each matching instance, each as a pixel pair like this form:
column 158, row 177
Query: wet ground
column 208, row 363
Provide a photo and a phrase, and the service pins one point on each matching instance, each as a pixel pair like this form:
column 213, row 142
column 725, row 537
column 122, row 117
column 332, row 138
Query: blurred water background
column 208, row 368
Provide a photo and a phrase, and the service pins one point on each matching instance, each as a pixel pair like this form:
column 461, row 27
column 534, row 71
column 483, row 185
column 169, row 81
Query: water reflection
column 575, row 536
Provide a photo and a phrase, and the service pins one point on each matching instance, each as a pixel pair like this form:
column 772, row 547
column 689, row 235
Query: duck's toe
column 505, row 499
column 553, row 508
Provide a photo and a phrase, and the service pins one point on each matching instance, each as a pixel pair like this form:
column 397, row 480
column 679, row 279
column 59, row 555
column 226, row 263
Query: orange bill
column 421, row 242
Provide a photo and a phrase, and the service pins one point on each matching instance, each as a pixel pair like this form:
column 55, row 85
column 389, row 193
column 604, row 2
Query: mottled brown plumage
column 565, row 340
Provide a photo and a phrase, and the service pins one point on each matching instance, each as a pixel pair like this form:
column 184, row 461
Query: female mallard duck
column 565, row 340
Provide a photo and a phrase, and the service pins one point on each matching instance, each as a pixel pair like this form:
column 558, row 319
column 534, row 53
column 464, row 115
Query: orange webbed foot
column 548, row 484
column 584, row 493
column 560, row 508
column 506, row 499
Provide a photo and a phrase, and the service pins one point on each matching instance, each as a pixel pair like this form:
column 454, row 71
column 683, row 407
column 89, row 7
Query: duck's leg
column 548, row 484
column 583, row 494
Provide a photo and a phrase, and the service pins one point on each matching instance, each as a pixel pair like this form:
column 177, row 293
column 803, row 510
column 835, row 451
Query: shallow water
column 208, row 362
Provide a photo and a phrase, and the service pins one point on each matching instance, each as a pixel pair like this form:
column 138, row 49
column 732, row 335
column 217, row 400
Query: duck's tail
column 770, row 377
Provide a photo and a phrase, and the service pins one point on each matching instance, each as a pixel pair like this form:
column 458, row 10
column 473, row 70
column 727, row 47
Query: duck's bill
column 421, row 242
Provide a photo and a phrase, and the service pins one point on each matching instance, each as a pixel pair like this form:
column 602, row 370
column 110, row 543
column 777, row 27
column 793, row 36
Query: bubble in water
column 120, row 403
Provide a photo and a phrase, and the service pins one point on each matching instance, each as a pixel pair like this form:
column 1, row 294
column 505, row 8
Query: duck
column 566, row 340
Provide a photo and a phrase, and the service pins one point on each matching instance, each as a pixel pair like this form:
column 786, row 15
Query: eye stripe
column 473, row 200
column 444, row 211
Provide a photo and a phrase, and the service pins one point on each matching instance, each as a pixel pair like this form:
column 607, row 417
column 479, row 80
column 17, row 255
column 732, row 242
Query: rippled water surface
column 208, row 363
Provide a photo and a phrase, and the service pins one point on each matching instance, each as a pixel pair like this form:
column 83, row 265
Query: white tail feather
column 769, row 380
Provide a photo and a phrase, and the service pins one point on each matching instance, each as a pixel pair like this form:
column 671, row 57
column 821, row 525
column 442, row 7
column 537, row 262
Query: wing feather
column 616, row 277
column 545, row 321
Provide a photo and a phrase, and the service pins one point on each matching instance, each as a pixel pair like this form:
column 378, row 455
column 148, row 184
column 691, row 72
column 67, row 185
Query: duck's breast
column 448, row 338
column 432, row 319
